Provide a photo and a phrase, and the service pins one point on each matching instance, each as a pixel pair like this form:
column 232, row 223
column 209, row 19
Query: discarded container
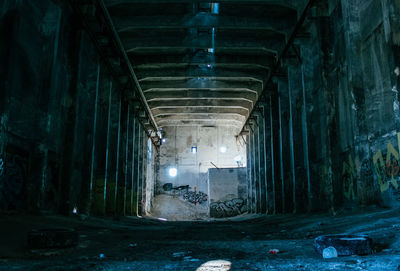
column 274, row 251
column 329, row 252
column 345, row 245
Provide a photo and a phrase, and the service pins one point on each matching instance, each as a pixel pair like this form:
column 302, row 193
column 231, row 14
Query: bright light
column 218, row 265
column 163, row 140
column 75, row 210
column 173, row 172
column 223, row 149
column 215, row 8
column 194, row 150
column 162, row 219
column 237, row 158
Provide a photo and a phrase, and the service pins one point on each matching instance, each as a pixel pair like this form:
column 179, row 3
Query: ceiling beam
column 271, row 42
column 205, row 122
column 236, row 117
column 128, row 23
column 204, row 82
column 228, row 103
column 154, row 95
column 200, row 57
column 184, row 110
column 196, row 71
column 286, row 3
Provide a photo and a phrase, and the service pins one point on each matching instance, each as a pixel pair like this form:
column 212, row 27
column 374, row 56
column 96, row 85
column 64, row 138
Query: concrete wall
column 193, row 168
column 227, row 191
column 68, row 136
column 330, row 131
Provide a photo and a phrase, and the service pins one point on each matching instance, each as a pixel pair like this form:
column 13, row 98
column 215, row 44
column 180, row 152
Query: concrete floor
column 148, row 244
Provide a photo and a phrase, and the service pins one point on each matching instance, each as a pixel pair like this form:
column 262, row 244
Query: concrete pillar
column 139, row 173
column 253, row 169
column 91, row 190
column 249, row 172
column 282, row 178
column 305, row 140
column 291, row 140
column 107, row 148
column 272, row 148
column 132, row 172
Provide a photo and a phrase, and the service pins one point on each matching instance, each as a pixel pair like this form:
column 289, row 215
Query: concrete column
column 107, row 147
column 291, row 140
column 139, row 173
column 257, row 165
column 260, row 161
column 272, row 156
column 264, row 179
column 91, row 192
column 305, row 141
column 281, row 156
column 249, row 173
column 133, row 186
column 253, row 170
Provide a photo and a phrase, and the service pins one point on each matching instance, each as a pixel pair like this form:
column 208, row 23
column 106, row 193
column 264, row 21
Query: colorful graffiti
column 228, row 208
column 387, row 170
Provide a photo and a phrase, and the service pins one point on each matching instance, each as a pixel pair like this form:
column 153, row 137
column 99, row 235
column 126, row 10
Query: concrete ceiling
column 200, row 63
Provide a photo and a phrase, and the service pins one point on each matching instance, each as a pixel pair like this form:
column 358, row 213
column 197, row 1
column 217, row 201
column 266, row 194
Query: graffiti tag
column 349, row 176
column 228, row 208
column 387, row 170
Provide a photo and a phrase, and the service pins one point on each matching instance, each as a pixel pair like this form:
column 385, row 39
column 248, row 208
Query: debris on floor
column 329, row 252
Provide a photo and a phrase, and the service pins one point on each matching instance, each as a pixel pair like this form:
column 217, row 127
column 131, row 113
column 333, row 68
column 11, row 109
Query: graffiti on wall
column 349, row 177
column 195, row 197
column 228, row 208
column 387, row 166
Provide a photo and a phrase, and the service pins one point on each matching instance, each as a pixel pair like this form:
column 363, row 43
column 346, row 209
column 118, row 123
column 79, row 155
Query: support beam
column 200, row 103
column 202, row 57
column 205, row 82
column 182, row 111
column 253, row 72
column 126, row 23
column 155, row 95
column 172, row 39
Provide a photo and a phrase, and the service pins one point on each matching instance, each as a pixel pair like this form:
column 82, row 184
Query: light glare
column 173, row 172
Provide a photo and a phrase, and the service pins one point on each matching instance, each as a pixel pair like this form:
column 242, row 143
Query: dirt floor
column 147, row 244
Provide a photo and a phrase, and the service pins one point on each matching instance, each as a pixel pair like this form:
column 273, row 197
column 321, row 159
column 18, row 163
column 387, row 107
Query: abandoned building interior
column 198, row 135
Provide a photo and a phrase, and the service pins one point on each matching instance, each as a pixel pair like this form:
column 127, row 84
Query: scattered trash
column 274, row 251
column 329, row 252
column 101, row 256
column 190, row 259
column 133, row 245
column 46, row 252
column 180, row 254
